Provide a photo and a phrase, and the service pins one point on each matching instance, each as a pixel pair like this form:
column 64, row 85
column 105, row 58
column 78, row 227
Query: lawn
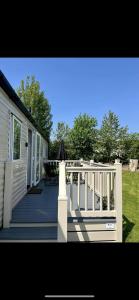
column 130, row 206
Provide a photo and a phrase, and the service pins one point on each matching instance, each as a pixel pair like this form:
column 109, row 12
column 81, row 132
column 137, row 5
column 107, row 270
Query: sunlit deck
column 38, row 208
column 35, row 216
column 79, row 206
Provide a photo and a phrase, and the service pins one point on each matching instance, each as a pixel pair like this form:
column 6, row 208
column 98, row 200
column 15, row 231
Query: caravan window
column 16, row 138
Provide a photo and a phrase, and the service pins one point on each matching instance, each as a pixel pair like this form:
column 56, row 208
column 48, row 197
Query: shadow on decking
column 37, row 208
column 83, row 230
column 127, row 227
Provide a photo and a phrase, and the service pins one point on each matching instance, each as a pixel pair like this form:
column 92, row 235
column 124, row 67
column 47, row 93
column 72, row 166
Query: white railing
column 99, row 187
column 68, row 163
column 72, row 163
column 51, row 162
column 62, row 204
column 100, row 181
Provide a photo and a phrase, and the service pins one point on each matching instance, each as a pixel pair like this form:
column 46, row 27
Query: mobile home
column 22, row 148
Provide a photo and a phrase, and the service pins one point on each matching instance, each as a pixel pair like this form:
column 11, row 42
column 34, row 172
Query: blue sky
column 83, row 85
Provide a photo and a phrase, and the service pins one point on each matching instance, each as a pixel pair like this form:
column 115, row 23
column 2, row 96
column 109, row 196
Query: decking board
column 37, row 208
column 27, row 233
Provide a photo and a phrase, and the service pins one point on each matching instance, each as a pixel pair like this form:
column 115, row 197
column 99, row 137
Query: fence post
column 118, row 187
column 8, row 194
column 62, row 204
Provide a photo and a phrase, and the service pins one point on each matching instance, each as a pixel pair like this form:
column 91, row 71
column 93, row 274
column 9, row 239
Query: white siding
column 7, row 107
column 19, row 181
column 1, row 190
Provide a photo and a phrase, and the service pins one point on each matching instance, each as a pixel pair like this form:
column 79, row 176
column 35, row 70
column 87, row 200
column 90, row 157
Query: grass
column 130, row 206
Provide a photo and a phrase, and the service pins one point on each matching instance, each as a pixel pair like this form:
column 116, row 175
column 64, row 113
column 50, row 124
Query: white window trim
column 37, row 134
column 12, row 144
column 9, row 136
column 33, row 164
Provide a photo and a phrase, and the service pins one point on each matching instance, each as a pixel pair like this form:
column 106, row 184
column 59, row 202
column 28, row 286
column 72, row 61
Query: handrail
column 82, row 162
column 92, row 163
column 51, row 160
column 90, row 169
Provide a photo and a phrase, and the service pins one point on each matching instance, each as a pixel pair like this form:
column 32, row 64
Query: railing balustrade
column 99, row 186
column 95, row 190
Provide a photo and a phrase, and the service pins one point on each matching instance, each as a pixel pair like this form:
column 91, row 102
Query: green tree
column 35, row 101
column 62, row 132
column 83, row 137
column 53, row 149
column 111, row 138
column 133, row 146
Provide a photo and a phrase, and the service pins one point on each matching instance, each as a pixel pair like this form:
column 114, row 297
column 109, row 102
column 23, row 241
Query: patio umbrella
column 61, row 152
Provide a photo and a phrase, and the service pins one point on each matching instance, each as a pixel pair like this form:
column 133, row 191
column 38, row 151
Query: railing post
column 83, row 173
column 91, row 174
column 91, row 162
column 62, row 204
column 8, row 194
column 118, row 187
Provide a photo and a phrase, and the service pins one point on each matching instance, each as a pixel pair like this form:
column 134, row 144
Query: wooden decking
column 29, row 233
column 38, row 208
column 34, row 218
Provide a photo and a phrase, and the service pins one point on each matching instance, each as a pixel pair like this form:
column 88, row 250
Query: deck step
column 29, row 241
column 16, row 225
column 29, row 233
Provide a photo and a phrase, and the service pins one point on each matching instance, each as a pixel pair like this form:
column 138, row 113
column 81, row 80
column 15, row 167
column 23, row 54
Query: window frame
column 18, row 121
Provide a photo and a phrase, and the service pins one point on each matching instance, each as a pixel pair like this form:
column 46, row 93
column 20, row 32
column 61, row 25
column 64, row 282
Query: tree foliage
column 62, row 132
column 111, row 138
column 85, row 141
column 133, row 146
column 83, row 137
column 36, row 102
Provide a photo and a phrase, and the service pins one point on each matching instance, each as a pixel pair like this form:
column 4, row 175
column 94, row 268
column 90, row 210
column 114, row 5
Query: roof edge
column 5, row 85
